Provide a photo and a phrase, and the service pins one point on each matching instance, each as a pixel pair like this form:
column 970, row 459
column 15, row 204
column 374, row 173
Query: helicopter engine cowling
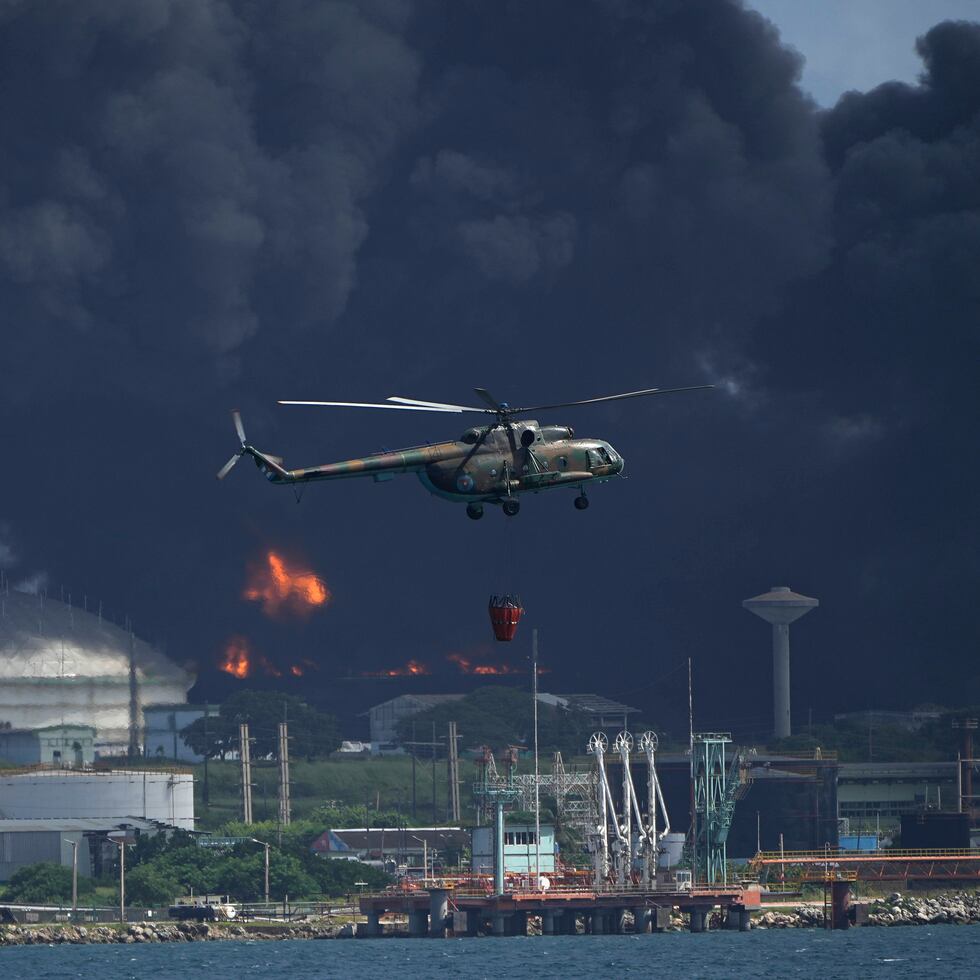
column 556, row 433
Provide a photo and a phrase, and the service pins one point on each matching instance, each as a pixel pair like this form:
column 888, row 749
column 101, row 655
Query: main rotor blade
column 609, row 398
column 226, row 469
column 490, row 400
column 450, row 407
column 404, row 408
column 239, row 428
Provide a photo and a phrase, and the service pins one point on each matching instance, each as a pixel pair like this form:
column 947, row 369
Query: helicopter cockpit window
column 598, row 457
column 563, row 462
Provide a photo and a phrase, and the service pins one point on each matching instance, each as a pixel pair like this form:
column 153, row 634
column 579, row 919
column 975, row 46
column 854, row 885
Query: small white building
column 520, row 849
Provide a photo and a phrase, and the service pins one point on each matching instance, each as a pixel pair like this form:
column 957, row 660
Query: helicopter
column 492, row 463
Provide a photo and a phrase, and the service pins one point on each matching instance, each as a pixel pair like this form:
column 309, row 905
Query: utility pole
column 284, row 804
column 244, row 754
column 452, row 762
column 434, row 817
column 414, row 750
column 74, row 876
column 206, row 797
column 537, row 780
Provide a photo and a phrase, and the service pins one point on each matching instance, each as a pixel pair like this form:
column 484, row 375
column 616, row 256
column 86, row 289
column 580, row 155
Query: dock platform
column 439, row 911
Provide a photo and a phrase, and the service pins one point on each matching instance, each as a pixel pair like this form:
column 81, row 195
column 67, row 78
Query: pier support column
column 499, row 924
column 617, row 924
column 418, row 922
column 372, row 927
column 840, row 896
column 737, row 917
column 699, row 920
column 518, row 924
column 641, row 920
column 438, row 912
column 567, row 923
column 660, row 918
column 547, row 923
column 472, row 922
column 598, row 923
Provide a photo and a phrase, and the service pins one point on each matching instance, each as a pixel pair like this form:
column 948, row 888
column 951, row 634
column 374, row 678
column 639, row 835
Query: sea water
column 922, row 951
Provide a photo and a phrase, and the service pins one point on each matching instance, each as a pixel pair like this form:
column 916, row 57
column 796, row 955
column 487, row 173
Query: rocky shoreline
column 896, row 910
column 181, row 932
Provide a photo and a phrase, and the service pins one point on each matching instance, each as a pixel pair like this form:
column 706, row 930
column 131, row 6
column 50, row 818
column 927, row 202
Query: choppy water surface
column 947, row 951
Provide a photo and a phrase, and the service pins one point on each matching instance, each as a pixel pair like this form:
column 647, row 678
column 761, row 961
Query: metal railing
column 837, row 854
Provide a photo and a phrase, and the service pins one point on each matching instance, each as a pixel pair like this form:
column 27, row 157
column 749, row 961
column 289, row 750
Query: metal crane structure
column 574, row 794
column 615, row 852
column 651, row 838
column 718, row 783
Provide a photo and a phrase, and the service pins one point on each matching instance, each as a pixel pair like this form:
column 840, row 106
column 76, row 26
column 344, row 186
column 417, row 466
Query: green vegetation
column 163, row 869
column 43, row 884
column 312, row 734
column 362, row 787
column 935, row 741
column 159, row 870
column 501, row 716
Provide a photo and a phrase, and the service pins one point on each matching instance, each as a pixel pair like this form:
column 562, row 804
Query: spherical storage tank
column 62, row 665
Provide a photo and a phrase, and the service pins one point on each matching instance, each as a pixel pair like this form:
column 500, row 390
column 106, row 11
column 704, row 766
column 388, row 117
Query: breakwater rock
column 905, row 910
column 146, row 932
column 802, row 917
column 896, row 910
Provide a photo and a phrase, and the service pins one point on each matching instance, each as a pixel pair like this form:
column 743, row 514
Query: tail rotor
column 240, row 430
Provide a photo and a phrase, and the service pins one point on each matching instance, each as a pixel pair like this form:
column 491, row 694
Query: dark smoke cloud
column 205, row 204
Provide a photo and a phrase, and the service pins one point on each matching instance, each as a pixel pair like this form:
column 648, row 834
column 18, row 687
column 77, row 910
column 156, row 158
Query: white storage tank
column 61, row 665
column 165, row 796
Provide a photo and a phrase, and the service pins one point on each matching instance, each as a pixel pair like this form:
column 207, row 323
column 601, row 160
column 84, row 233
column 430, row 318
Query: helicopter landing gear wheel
column 581, row 502
column 474, row 511
column 511, row 507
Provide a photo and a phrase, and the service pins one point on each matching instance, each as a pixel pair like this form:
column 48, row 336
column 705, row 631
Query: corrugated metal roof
column 82, row 824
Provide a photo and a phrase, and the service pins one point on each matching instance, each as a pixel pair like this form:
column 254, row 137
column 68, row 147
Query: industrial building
column 65, row 665
column 604, row 714
column 384, row 718
column 874, row 792
column 25, row 842
column 394, row 848
column 162, row 725
column 72, row 746
column 520, row 850
column 165, row 796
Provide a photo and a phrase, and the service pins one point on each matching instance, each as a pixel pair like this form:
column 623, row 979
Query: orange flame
column 467, row 666
column 236, row 658
column 296, row 670
column 414, row 668
column 283, row 589
column 239, row 661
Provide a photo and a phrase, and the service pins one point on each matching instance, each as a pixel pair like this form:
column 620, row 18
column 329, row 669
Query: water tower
column 780, row 606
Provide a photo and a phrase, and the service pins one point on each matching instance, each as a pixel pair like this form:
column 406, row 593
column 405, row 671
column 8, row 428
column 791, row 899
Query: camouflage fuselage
column 485, row 464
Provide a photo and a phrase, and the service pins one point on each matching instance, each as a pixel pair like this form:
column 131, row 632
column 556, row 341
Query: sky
column 207, row 205
column 858, row 44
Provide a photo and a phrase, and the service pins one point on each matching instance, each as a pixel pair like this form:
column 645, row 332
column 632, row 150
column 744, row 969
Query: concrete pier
column 372, row 927
column 418, row 922
column 698, row 920
column 602, row 912
column 438, row 912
